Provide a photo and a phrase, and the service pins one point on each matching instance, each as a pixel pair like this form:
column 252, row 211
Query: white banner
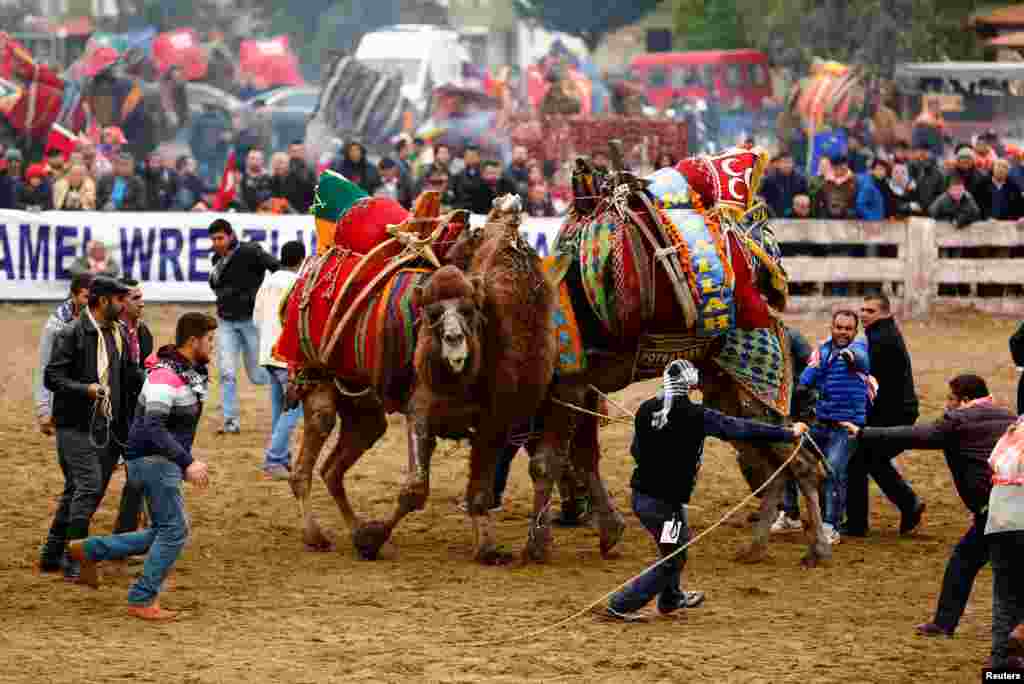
column 169, row 253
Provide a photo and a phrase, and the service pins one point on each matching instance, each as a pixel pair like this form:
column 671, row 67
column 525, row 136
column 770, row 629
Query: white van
column 425, row 56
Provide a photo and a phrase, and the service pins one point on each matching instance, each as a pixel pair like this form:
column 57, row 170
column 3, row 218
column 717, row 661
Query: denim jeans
column 834, row 441
column 282, row 422
column 969, row 556
column 160, row 480
column 234, row 338
column 791, row 499
column 663, row 580
column 1007, row 549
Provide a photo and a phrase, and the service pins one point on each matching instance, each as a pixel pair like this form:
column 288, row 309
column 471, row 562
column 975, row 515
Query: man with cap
column 90, row 374
column 668, row 447
column 837, row 197
column 10, row 179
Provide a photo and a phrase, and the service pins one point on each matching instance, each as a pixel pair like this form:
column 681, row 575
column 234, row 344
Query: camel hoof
column 752, row 554
column 538, row 547
column 494, row 556
column 369, row 538
column 612, row 529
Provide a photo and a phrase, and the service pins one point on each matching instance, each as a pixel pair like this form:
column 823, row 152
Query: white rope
column 614, row 419
column 613, row 402
column 694, row 540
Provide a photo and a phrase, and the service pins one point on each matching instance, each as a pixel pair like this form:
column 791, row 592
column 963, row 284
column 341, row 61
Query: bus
column 738, row 78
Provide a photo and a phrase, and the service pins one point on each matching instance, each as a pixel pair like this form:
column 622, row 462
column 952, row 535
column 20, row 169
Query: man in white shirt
column 277, row 461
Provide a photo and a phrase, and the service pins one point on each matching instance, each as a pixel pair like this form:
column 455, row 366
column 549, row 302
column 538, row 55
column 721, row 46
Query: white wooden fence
column 924, row 266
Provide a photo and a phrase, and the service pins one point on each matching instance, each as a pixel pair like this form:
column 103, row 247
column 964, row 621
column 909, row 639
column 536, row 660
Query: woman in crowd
column 76, row 191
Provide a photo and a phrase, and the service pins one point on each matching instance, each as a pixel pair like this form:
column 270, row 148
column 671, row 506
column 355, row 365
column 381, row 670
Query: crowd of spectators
column 980, row 181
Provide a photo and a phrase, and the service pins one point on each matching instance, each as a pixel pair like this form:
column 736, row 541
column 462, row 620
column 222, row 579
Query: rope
column 103, row 408
column 613, row 402
column 614, row 419
column 691, row 542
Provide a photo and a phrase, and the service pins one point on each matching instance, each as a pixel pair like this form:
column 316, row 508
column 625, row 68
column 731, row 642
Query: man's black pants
column 1007, row 550
column 970, row 555
column 876, row 461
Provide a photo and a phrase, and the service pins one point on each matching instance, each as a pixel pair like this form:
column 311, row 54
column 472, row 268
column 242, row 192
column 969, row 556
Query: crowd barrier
column 923, row 265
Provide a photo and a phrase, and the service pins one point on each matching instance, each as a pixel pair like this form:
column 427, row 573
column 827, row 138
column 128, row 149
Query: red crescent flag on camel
column 228, row 184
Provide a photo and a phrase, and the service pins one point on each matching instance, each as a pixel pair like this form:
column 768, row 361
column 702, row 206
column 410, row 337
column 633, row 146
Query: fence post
column 919, row 267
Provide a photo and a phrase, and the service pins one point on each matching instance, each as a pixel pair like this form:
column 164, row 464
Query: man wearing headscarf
column 668, row 447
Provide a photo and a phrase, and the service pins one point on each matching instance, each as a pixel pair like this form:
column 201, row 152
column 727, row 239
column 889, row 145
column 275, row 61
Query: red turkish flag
column 269, row 63
column 181, row 48
column 228, row 184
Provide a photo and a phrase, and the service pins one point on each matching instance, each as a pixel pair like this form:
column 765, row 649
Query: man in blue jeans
column 277, row 460
column 159, row 456
column 238, row 272
column 838, row 370
column 668, row 447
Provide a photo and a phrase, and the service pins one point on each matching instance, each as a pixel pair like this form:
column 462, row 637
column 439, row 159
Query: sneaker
column 930, row 629
column 151, row 612
column 784, row 524
column 624, row 617
column 909, row 523
column 276, row 472
column 831, row 534
column 688, row 599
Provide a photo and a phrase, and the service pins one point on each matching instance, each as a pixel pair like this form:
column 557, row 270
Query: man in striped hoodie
column 159, row 456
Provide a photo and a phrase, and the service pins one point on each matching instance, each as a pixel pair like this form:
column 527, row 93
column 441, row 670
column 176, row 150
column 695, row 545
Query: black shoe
column 687, row 599
column 50, row 564
column 909, row 523
column 72, row 569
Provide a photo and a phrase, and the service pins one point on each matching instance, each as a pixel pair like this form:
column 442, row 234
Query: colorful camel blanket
column 571, row 357
column 759, row 361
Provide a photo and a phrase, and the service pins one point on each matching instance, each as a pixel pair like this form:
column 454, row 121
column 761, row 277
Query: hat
column 334, row 196
column 14, row 154
column 965, row 153
column 35, row 171
column 105, row 286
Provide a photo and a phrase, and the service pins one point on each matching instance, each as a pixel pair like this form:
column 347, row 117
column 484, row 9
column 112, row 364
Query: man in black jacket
column 895, row 404
column 966, row 433
column 91, row 376
column 668, row 446
column 300, row 183
column 238, row 272
column 122, row 191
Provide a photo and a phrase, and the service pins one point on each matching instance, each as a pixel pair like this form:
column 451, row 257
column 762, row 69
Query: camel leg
column 546, row 463
column 362, row 425
column 808, row 475
column 320, row 411
column 761, row 462
column 487, row 444
column 414, row 492
column 586, row 459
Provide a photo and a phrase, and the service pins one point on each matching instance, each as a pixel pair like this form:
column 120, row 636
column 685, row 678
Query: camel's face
column 453, row 321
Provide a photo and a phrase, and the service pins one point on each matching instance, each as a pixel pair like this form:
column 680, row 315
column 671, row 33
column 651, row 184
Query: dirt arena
column 256, row 607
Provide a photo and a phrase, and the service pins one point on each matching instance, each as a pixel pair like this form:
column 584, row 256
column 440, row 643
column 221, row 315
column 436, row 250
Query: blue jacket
column 870, row 201
column 842, row 392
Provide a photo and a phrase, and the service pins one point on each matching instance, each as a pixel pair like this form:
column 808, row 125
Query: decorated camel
column 646, row 274
column 376, row 325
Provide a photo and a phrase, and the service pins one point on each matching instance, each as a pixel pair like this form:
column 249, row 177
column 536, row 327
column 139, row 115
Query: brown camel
column 615, row 367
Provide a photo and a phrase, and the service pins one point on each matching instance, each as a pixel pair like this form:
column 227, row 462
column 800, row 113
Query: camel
column 483, row 360
column 570, row 434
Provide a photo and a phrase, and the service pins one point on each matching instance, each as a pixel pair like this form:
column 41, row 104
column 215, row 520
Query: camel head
column 506, row 208
column 450, row 326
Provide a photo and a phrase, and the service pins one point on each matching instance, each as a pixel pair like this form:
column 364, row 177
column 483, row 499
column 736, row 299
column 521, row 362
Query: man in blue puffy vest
column 838, row 370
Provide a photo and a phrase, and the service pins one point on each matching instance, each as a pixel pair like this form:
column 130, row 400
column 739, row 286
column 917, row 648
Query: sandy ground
column 257, row 607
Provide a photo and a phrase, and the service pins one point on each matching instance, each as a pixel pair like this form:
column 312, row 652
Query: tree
column 710, row 25
column 590, row 21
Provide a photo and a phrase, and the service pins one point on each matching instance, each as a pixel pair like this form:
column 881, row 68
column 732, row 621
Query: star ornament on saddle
column 418, row 233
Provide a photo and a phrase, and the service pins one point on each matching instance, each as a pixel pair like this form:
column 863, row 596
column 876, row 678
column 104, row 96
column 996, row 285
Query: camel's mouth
column 457, row 364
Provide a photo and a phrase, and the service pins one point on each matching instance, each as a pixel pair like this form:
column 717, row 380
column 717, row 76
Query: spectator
column 902, row 197
column 55, row 166
column 838, row 195
column 191, row 188
column 984, row 153
column 34, row 194
column 89, row 158
column 113, row 143
column 1003, row 194
column 931, row 182
column 783, row 185
column 664, row 161
column 839, row 371
column 895, row 404
column 174, row 97
column 443, row 157
column 90, row 376
column 468, row 183
column 209, row 141
column 10, row 179
column 393, row 183
column 1016, row 156
column 929, row 129
column 800, row 352
column 955, row 205
column 538, row 201
column 15, row 163
column 973, row 180
column 801, row 208
column 403, row 151
column 158, row 457
column 860, row 158
column 967, row 432
column 97, row 261
column 417, row 160
column 122, row 191
column 437, row 179
column 75, row 191
column 476, row 192
column 63, row 316
column 300, row 183
column 238, row 272
column 277, row 457
column 354, row 166
column 515, row 180
column 161, row 182
column 871, row 199
column 279, row 176
column 255, row 183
